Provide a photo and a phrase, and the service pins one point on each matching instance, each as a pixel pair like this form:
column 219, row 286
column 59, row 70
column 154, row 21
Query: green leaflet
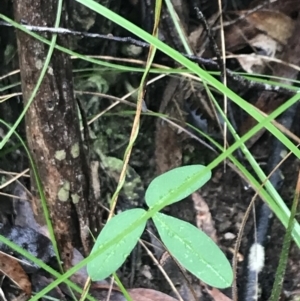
column 194, row 250
column 191, row 247
column 112, row 258
column 167, row 182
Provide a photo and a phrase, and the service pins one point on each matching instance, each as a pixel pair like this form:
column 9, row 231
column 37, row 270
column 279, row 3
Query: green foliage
column 269, row 194
column 112, row 258
column 163, row 184
column 194, row 250
column 190, row 246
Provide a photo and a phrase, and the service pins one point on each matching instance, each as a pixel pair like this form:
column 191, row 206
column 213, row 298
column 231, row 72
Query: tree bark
column 53, row 134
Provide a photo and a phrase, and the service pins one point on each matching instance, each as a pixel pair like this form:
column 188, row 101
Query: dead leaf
column 251, row 63
column 12, row 269
column 204, row 219
column 237, row 35
column 274, row 23
column 269, row 101
column 143, row 294
column 30, row 240
column 255, row 64
column 168, row 143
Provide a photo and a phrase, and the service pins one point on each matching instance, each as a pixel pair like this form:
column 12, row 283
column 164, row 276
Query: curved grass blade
column 167, row 182
column 112, row 258
column 194, row 250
